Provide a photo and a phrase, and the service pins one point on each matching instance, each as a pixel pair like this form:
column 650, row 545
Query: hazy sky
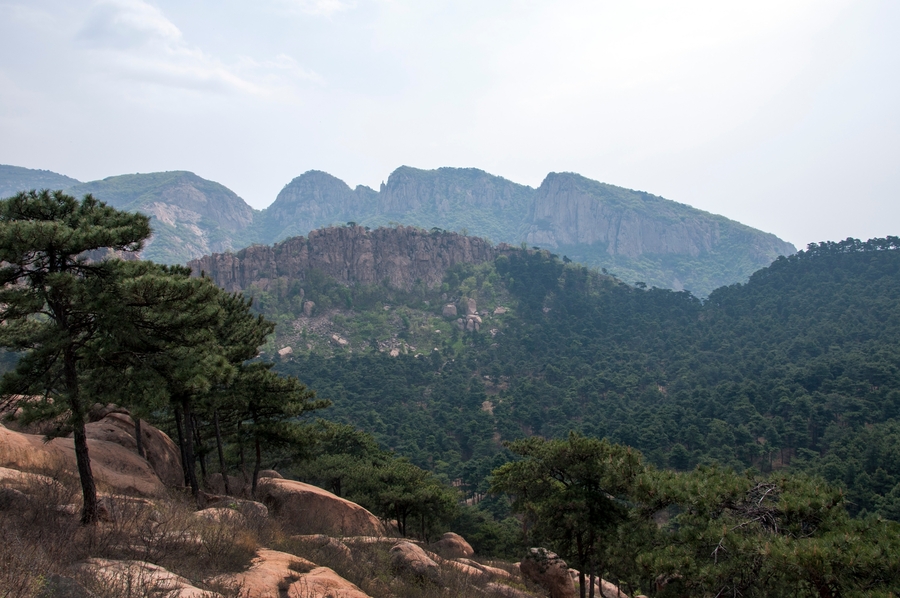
column 781, row 114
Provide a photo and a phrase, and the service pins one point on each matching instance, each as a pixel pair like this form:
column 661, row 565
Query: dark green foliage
column 797, row 368
column 573, row 493
column 56, row 302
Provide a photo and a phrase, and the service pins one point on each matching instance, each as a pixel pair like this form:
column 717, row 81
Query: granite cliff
column 401, row 256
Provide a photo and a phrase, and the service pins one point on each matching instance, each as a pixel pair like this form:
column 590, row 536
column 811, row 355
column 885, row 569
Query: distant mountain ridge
column 636, row 235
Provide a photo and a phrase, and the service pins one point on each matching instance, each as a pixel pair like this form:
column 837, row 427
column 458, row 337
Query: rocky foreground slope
column 289, row 539
column 637, row 235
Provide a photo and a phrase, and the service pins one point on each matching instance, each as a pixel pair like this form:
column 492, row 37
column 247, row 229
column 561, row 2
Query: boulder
column 270, row 473
column 602, row 588
column 116, row 469
column 248, row 508
column 160, row 451
column 307, row 509
column 449, row 311
column 487, row 569
column 331, row 546
column 308, row 307
column 275, row 574
column 453, row 546
column 471, row 307
column 118, row 577
column 409, row 558
column 549, row 571
column 285, row 351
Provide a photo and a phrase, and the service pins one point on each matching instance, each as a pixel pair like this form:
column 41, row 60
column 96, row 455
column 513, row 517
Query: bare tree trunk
column 190, row 466
column 180, row 429
column 137, row 438
column 221, row 451
column 89, row 509
column 256, row 466
column 201, row 452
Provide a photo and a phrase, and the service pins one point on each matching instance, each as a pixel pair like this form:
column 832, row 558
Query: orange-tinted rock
column 453, row 546
column 121, row 576
column 409, row 558
column 549, row 571
column 276, row 574
column 115, row 469
column 307, row 509
column 161, row 452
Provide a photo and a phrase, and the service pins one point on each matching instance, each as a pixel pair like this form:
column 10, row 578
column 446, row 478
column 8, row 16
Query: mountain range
column 635, row 235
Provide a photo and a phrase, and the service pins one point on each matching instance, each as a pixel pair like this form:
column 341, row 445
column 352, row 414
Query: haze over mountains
column 636, row 235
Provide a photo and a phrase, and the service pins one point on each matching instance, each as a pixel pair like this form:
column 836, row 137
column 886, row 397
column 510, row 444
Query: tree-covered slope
column 15, row 178
column 797, row 368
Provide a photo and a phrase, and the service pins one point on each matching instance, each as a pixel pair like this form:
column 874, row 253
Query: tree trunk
column 221, row 452
column 256, row 466
column 180, row 429
column 191, row 464
column 582, row 562
column 89, row 509
column 137, row 438
column 201, row 452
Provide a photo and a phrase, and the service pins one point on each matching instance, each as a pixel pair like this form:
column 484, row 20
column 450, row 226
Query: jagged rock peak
column 403, row 256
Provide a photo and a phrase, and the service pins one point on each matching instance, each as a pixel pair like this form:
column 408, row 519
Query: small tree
column 54, row 298
column 571, row 491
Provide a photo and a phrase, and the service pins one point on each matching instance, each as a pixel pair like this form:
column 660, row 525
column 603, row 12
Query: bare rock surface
column 115, row 470
column 125, row 575
column 549, row 571
column 410, row 558
column 160, row 451
column 275, row 574
column 351, row 254
column 453, row 546
column 307, row 509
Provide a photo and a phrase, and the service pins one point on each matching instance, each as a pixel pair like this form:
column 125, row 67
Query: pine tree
column 54, row 298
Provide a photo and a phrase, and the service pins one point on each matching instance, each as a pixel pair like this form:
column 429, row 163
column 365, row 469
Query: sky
column 784, row 114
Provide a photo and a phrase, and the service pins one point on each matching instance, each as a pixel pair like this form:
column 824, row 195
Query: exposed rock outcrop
column 307, row 509
column 549, row 571
column 115, row 470
column 160, row 451
column 410, row 558
column 453, row 546
column 402, row 256
column 275, row 574
column 123, row 576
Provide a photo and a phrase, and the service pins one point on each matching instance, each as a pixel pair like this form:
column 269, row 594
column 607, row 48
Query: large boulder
column 409, row 558
column 453, row 546
column 116, row 469
column 307, row 509
column 276, row 574
column 602, row 588
column 160, row 451
column 549, row 571
column 119, row 577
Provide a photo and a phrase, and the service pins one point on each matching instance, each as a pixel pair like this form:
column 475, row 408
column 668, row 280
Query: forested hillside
column 797, row 368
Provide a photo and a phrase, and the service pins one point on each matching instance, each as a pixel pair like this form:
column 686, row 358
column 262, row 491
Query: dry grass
column 42, row 537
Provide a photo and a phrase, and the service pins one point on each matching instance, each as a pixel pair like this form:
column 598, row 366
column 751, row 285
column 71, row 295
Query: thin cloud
column 324, row 8
column 133, row 40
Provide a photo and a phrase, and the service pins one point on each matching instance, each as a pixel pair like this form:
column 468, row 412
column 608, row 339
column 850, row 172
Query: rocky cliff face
column 190, row 216
column 402, row 256
column 569, row 210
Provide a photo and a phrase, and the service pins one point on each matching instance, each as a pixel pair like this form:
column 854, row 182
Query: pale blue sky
column 780, row 114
